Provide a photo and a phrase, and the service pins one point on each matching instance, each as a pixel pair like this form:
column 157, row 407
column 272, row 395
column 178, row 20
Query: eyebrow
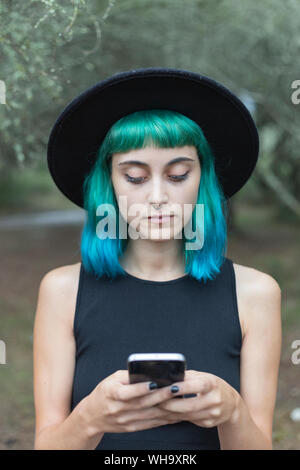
column 175, row 160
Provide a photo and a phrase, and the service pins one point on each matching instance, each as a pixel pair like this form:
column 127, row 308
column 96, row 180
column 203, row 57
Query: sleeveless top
column 131, row 315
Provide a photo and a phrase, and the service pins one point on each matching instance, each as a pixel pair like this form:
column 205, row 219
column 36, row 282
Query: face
column 152, row 176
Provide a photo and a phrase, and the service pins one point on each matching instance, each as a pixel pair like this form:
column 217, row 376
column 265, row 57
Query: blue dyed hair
column 162, row 129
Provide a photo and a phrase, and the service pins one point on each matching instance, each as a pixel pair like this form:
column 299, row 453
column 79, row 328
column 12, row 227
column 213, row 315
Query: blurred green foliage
column 52, row 50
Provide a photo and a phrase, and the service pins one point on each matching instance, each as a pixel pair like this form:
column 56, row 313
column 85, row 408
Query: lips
column 160, row 216
column 160, row 219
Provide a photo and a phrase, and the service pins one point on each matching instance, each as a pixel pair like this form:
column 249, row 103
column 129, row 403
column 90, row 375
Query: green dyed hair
column 161, row 129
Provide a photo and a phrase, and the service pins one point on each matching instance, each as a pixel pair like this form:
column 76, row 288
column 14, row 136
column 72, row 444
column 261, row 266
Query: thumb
column 122, row 376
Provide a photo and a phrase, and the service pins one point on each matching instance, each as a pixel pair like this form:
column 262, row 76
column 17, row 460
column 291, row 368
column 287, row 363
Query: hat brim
column 81, row 127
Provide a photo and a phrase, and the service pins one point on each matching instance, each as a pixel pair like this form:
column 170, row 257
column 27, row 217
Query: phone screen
column 160, row 371
column 162, row 368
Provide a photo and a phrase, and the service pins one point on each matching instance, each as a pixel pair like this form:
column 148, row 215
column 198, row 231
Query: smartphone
column 162, row 368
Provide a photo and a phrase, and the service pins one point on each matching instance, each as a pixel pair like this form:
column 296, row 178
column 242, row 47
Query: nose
column 157, row 194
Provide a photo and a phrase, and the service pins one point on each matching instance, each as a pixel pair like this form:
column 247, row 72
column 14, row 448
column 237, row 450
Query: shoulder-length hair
column 162, row 129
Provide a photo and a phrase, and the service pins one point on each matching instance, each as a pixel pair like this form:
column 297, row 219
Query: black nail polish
column 174, row 388
column 153, row 385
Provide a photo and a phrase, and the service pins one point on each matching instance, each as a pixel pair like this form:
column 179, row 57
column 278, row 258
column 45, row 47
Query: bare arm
column 54, row 362
column 252, row 421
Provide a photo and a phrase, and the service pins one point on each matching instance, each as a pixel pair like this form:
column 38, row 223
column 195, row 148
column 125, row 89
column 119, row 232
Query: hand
column 216, row 401
column 115, row 405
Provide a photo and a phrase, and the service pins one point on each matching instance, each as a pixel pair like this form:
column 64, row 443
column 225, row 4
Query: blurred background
column 52, row 50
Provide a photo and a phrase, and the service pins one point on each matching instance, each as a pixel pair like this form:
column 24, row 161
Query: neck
column 156, row 260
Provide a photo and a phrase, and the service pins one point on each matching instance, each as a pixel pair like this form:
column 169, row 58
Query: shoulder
column 251, row 279
column 258, row 296
column 58, row 291
column 63, row 277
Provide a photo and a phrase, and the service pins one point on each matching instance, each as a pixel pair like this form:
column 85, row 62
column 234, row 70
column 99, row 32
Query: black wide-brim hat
column 81, row 127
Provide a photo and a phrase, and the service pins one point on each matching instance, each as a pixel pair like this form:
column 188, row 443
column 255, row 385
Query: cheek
column 129, row 206
column 125, row 196
column 187, row 200
column 188, row 194
column 193, row 191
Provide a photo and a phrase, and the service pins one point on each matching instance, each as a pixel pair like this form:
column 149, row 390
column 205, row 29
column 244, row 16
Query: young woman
column 167, row 142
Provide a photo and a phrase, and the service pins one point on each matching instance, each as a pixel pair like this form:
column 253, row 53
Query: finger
column 202, row 399
column 156, row 397
column 128, row 416
column 127, row 392
column 191, row 405
column 194, row 385
column 193, row 374
column 165, row 394
column 122, row 376
column 209, row 413
column 150, row 399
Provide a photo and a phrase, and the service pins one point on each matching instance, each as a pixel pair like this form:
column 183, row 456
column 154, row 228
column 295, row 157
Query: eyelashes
column 174, row 178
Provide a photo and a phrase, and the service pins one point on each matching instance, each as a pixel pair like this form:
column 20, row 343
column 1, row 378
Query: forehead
column 153, row 156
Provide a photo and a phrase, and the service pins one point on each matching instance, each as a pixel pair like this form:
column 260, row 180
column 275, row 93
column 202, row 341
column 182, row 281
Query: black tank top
column 131, row 315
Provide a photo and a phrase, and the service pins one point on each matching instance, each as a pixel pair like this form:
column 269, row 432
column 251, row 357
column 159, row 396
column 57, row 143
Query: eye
column 180, row 178
column 174, row 178
column 135, row 180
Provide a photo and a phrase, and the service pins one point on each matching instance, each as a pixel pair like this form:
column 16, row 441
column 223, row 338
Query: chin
column 157, row 234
